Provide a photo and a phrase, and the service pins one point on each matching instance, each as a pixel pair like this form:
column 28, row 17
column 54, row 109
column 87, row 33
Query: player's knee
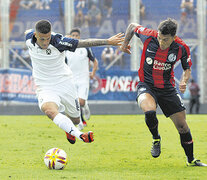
column 183, row 129
column 50, row 113
column 151, row 119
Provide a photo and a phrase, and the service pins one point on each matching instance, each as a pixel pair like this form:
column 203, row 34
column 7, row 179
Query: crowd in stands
column 35, row 4
column 91, row 12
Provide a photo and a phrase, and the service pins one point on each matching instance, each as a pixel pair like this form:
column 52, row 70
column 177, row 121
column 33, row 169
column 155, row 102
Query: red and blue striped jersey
column 156, row 66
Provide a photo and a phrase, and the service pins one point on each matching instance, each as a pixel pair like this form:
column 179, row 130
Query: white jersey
column 78, row 62
column 49, row 67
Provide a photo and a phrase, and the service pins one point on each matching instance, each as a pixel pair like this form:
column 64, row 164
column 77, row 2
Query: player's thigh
column 145, row 97
column 146, row 102
column 49, row 99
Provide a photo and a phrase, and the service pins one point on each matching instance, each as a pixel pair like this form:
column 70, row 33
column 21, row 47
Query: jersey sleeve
column 29, row 34
column 144, row 33
column 90, row 54
column 64, row 43
column 186, row 58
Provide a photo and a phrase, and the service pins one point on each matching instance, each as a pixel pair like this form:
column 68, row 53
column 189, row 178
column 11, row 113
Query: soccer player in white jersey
column 53, row 78
column 78, row 61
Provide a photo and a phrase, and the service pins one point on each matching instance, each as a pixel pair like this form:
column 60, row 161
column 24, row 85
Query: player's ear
column 35, row 34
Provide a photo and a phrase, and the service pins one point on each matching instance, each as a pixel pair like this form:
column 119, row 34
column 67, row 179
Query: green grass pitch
column 121, row 150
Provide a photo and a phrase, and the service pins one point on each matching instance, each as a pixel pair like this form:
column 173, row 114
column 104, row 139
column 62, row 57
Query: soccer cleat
column 87, row 112
column 87, row 137
column 156, row 148
column 195, row 162
column 70, row 138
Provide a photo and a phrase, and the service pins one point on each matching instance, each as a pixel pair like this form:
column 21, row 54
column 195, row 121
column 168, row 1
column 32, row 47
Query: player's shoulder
column 141, row 30
column 29, row 34
column 59, row 39
column 56, row 36
column 180, row 42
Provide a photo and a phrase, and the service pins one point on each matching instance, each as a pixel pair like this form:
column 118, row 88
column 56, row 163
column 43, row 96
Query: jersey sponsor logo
column 48, row 51
column 150, row 51
column 172, row 57
column 66, row 43
column 149, row 60
column 161, row 66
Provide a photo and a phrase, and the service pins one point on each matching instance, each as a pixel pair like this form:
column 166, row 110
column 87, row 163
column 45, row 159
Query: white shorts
column 63, row 94
column 83, row 90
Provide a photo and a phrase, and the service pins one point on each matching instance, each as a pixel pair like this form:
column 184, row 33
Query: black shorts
column 169, row 100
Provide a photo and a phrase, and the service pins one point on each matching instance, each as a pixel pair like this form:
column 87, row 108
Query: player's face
column 43, row 40
column 75, row 35
column 165, row 40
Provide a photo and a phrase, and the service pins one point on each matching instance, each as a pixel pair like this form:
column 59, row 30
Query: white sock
column 67, row 125
column 80, row 125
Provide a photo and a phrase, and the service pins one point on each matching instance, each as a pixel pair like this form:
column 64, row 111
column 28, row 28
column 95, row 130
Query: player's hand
column 116, row 40
column 182, row 86
column 91, row 75
column 125, row 49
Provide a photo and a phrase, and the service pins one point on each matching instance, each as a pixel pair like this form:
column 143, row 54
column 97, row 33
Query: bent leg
column 148, row 106
column 179, row 120
column 61, row 120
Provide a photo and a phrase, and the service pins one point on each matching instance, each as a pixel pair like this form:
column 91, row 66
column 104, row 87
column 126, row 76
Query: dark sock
column 187, row 144
column 81, row 113
column 152, row 123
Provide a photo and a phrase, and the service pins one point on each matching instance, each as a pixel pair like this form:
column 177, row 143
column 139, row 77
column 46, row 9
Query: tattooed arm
column 128, row 36
column 92, row 42
column 115, row 40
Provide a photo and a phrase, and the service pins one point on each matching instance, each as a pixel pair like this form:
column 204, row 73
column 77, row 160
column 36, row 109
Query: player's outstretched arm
column 115, row 40
column 125, row 47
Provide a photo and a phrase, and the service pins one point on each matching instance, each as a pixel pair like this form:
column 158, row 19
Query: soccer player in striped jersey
column 78, row 62
column 53, row 78
column 161, row 50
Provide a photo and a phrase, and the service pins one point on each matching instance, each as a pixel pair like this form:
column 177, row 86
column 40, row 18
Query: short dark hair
column 75, row 30
column 168, row 26
column 43, row 26
column 192, row 80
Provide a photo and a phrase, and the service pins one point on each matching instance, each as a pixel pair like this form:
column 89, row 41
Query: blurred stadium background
column 113, row 91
